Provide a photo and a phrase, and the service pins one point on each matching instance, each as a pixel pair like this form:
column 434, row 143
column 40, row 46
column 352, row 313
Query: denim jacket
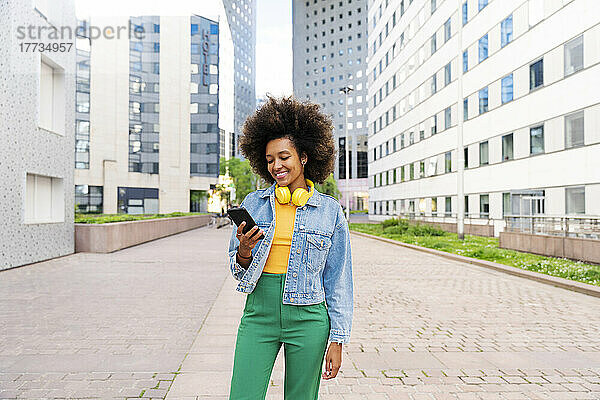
column 320, row 262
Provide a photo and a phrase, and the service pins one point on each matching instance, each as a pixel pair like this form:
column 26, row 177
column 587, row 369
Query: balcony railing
column 555, row 225
column 470, row 218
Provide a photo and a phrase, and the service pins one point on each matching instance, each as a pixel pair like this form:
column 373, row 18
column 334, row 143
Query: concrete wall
column 106, row 238
column 26, row 148
column 587, row 250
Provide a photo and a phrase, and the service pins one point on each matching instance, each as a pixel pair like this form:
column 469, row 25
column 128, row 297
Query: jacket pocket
column 318, row 247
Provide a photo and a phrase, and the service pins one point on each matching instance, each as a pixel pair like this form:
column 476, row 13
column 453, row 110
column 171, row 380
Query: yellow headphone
column 299, row 197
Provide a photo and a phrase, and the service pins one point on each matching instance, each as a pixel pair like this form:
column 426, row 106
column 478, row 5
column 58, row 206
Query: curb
column 575, row 286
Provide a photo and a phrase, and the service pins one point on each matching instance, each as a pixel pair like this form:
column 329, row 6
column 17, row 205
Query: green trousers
column 265, row 325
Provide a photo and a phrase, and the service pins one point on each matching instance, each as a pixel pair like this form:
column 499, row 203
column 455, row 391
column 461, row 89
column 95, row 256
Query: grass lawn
column 484, row 248
column 107, row 218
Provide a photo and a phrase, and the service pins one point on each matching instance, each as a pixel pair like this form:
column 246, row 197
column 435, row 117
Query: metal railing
column 470, row 218
column 555, row 225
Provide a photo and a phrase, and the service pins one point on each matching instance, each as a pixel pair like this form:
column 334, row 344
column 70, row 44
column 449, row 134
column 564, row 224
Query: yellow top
column 279, row 255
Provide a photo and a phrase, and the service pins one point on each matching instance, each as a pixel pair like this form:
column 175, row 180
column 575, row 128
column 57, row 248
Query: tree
column 244, row 179
column 329, row 187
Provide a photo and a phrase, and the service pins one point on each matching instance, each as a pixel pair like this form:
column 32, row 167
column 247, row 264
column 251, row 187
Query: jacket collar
column 314, row 200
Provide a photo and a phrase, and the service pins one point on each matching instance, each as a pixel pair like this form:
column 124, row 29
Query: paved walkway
column 424, row 328
column 107, row 325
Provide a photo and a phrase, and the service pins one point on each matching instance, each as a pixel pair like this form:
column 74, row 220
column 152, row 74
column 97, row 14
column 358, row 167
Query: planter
column 581, row 249
column 109, row 237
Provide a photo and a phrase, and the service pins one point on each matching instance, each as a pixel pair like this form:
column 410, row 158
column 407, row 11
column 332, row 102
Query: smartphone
column 239, row 215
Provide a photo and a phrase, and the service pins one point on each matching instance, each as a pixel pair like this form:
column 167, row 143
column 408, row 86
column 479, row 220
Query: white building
column 160, row 109
column 520, row 78
column 330, row 52
column 36, row 131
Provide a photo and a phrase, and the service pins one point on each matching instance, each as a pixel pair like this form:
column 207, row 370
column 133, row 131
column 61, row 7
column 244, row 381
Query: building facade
column 37, row 113
column 330, row 53
column 241, row 16
column 159, row 109
column 502, row 92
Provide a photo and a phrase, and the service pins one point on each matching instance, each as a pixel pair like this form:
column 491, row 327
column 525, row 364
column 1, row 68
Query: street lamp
column 346, row 90
column 460, row 171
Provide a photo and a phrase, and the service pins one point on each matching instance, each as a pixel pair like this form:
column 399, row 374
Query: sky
column 274, row 47
column 273, row 33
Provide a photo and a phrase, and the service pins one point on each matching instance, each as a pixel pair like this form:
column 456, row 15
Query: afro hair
column 310, row 131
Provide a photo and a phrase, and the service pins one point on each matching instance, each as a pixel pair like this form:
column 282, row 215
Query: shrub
column 389, row 222
column 425, row 230
column 395, row 230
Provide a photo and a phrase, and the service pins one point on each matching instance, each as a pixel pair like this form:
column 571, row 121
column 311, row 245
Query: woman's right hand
column 248, row 240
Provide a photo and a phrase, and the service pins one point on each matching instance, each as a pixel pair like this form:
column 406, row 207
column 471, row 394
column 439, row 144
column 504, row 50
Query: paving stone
column 424, row 328
column 472, row 380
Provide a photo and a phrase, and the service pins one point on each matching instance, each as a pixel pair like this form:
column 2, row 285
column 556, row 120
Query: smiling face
column 284, row 163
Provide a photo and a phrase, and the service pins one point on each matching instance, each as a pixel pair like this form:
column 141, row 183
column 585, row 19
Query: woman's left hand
column 333, row 360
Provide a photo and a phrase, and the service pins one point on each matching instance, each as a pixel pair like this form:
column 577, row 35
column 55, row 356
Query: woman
column 296, row 264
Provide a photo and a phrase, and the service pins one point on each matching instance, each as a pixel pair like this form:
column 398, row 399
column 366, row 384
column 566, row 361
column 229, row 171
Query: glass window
column 465, row 109
column 448, row 162
column 574, row 55
column 574, row 129
column 402, row 173
column 433, row 43
column 433, row 6
column 447, row 74
column 482, row 4
column 484, row 205
column 434, row 125
column 506, row 31
column 465, row 61
column 484, row 153
column 137, row 46
column 506, row 207
column 448, row 205
column 411, row 171
column 536, row 140
column 447, row 118
column 575, row 200
column 447, row 30
column 536, row 74
column 411, row 139
column 433, row 84
column 483, row 47
column 465, row 15
column 507, row 88
column 402, row 141
column 466, row 205
column 483, row 100
column 194, row 29
column 421, row 169
column 466, row 157
column 507, row 147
